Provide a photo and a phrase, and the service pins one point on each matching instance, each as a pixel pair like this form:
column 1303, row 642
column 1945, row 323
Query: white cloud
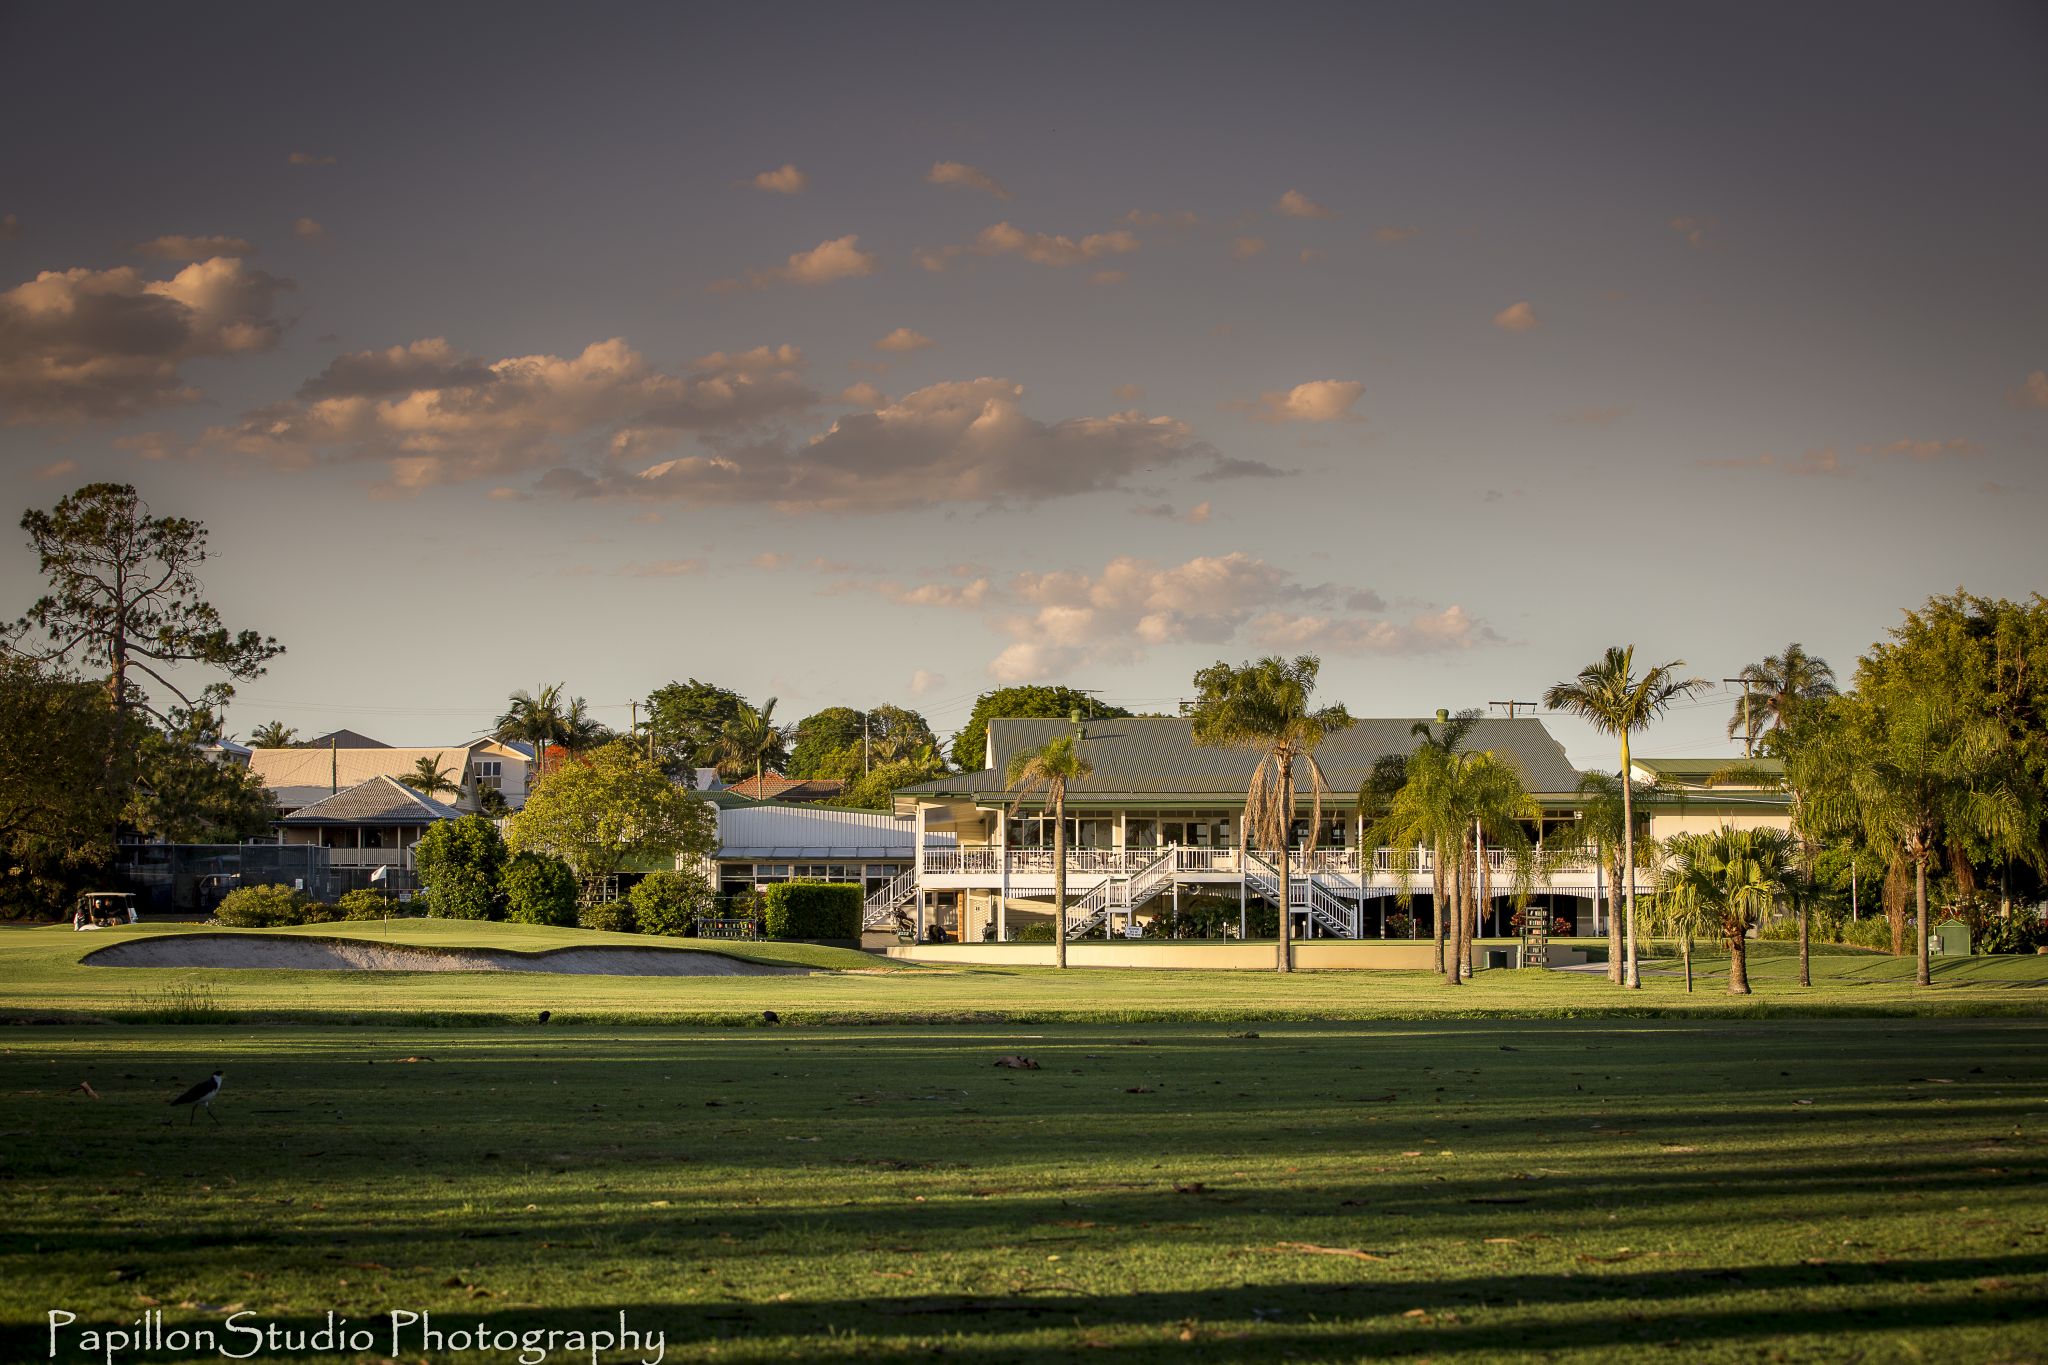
column 838, row 259
column 1950, row 448
column 1128, row 393
column 904, row 339
column 785, row 179
column 924, row 682
column 56, row 469
column 963, row 176
column 1295, row 204
column 2031, row 394
column 177, row 247
column 1319, row 400
column 1394, row 236
column 1516, row 317
column 306, row 230
column 864, row 395
column 109, row 343
column 1109, row 277
column 1040, row 248
column 1427, row 632
column 1821, row 461
column 1245, row 248
column 438, row 415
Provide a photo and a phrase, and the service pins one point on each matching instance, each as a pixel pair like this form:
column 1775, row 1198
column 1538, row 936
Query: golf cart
column 103, row 910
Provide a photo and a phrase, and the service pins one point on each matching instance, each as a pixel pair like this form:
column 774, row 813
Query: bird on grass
column 201, row 1096
column 770, row 1017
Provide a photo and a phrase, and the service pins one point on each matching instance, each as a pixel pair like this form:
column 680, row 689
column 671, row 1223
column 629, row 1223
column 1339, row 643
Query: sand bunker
column 360, row 955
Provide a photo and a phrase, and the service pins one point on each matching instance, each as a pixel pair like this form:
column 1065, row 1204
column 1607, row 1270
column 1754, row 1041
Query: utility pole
column 1515, row 706
column 865, row 759
column 1748, row 724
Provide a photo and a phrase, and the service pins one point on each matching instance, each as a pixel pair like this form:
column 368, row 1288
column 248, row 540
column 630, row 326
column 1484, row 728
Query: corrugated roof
column 1157, row 756
column 288, row 768
column 378, row 801
column 1700, row 769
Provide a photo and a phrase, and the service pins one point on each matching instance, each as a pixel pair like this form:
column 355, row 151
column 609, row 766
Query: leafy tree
column 897, row 732
column 182, row 796
column 1039, row 700
column 1728, row 881
column 1597, row 834
column 822, row 738
column 1265, row 706
column 670, row 902
column 59, row 796
column 1775, row 688
column 1049, row 768
column 877, row 789
column 752, row 742
column 362, row 904
column 613, row 807
column 429, row 779
column 125, row 598
column 272, row 734
column 460, row 862
column 688, row 721
column 549, row 717
column 1610, row 697
column 539, row 889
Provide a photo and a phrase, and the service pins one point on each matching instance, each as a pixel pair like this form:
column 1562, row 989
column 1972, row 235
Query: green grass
column 1707, row 1190
column 41, row 977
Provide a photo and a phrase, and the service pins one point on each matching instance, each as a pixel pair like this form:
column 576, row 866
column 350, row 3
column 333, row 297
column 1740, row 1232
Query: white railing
column 1205, row 859
column 879, row 910
column 1146, row 881
column 1303, row 893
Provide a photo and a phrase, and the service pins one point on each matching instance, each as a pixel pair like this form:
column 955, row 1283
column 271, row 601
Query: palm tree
column 1730, row 879
column 1773, row 689
column 1049, row 768
column 273, row 734
column 537, row 718
column 1375, row 801
column 582, row 732
column 1596, row 834
column 753, row 739
column 1265, row 705
column 1610, row 697
column 1676, row 906
column 429, row 778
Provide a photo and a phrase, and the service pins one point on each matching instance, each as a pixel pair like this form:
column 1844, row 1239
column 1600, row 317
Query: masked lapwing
column 202, row 1096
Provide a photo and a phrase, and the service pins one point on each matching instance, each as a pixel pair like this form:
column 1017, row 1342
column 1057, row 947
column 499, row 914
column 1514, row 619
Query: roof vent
column 1442, row 716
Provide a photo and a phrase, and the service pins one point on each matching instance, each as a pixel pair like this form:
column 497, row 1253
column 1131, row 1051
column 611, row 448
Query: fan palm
column 1265, row 706
column 1773, row 689
column 1048, row 769
column 1730, row 879
column 752, row 739
column 1610, row 697
column 273, row 734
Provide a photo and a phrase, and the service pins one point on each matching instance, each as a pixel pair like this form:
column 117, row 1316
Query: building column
column 1002, row 874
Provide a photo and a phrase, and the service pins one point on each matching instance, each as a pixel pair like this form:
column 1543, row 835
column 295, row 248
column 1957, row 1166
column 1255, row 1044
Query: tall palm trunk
column 1799, row 905
column 1454, row 960
column 1059, row 881
column 1924, row 975
column 1614, row 963
column 1439, row 871
column 1630, row 978
column 1738, row 959
column 1286, row 962
column 1685, row 947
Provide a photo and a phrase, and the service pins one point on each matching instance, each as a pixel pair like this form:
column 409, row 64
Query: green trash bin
column 1950, row 938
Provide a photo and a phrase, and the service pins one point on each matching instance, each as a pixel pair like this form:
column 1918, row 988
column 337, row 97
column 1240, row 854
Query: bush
column 363, row 903
column 2020, row 934
column 812, row 910
column 539, row 889
column 460, row 863
column 262, row 907
column 613, row 916
column 670, row 902
column 1872, row 931
column 1032, row 933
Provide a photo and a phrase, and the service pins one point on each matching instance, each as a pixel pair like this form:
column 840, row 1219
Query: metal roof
column 378, row 801
column 1157, row 757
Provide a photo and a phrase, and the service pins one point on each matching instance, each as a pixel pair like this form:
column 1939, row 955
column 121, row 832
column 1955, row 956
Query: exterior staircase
column 1125, row 894
column 1335, row 916
column 879, row 910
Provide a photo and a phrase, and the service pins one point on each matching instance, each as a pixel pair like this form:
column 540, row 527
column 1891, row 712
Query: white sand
column 360, row 955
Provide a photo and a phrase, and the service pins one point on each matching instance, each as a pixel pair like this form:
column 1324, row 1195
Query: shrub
column 670, row 902
column 614, row 916
column 460, row 862
column 2020, row 934
column 811, row 910
column 1872, row 931
column 362, row 903
column 539, row 889
column 261, row 907
column 1032, row 933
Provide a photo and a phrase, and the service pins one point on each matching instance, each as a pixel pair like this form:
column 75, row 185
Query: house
column 1162, row 819
column 374, row 823
column 794, row 790
column 299, row 776
column 1700, row 795
column 342, row 739
column 760, row 844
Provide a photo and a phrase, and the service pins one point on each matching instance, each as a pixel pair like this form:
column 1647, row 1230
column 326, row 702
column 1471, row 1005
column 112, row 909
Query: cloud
column 1516, row 317
column 1695, row 231
column 838, row 259
column 1295, row 204
column 964, row 176
column 785, row 179
column 439, row 415
column 180, row 248
column 1165, row 511
column 109, row 343
column 1952, row 448
column 10, row 227
column 1244, row 248
column 1319, row 400
column 960, row 442
column 865, row 395
column 1128, row 393
column 2031, row 394
column 660, row 568
column 1428, row 632
column 769, row 561
column 1182, row 221
column 1593, row 417
column 1821, row 461
column 1005, row 239
column 306, row 230
column 904, row 339
column 1235, row 468
column 924, row 682
column 308, row 159
column 1394, row 236
column 1108, row 277
column 56, row 469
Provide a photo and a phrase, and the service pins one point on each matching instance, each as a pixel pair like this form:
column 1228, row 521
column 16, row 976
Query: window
column 489, row 774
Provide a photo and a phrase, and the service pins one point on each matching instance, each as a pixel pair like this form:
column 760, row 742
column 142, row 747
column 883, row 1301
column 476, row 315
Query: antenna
column 1514, row 706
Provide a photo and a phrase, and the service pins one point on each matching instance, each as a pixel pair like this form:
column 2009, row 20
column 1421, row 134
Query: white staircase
column 1304, row 892
column 1120, row 894
column 879, row 910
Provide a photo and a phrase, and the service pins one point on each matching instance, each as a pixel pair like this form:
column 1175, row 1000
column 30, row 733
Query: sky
column 852, row 354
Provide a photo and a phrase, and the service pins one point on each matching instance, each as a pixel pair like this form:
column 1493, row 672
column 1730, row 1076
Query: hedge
column 812, row 910
column 270, row 905
column 538, row 889
column 669, row 902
